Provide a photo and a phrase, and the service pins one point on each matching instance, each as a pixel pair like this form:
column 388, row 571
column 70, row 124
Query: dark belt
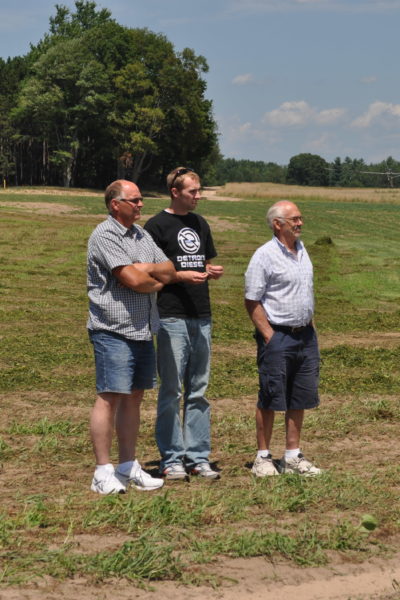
column 287, row 329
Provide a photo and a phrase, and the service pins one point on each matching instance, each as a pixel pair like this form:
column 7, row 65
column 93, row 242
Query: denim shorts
column 288, row 369
column 122, row 365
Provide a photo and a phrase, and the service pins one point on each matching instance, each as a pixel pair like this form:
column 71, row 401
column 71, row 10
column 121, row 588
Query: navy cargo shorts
column 288, row 368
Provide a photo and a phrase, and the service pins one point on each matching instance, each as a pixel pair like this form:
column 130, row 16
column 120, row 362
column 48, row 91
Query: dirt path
column 212, row 193
column 254, row 578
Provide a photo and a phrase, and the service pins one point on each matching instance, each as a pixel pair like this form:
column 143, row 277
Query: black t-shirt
column 187, row 241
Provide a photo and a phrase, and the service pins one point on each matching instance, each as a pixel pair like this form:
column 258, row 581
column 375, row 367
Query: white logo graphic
column 188, row 240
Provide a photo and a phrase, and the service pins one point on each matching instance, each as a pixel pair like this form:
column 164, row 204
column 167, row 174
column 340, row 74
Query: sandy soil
column 255, row 578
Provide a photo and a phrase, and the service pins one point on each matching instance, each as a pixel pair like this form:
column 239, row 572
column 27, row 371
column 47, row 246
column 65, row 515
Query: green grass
column 180, row 532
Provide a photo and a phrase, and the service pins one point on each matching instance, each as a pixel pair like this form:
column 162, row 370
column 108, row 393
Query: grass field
column 50, row 522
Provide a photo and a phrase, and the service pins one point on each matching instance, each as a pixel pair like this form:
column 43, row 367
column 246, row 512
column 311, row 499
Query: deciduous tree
column 102, row 100
column 308, row 169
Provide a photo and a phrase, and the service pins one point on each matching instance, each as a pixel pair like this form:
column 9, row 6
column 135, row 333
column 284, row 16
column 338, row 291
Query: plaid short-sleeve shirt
column 282, row 282
column 113, row 307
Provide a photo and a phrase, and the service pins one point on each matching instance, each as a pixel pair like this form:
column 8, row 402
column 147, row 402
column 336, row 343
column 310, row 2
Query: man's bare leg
column 102, row 425
column 294, row 461
column 101, row 429
column 127, row 424
column 263, row 466
column 294, row 423
column 264, row 425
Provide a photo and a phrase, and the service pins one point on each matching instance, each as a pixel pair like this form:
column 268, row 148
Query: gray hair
column 113, row 191
column 275, row 212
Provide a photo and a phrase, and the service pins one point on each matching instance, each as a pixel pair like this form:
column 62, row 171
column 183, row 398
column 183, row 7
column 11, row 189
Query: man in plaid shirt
column 125, row 270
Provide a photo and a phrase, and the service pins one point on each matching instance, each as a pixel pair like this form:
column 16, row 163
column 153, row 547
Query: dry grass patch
column 216, row 193
column 276, row 191
column 52, row 191
column 374, row 339
column 41, row 208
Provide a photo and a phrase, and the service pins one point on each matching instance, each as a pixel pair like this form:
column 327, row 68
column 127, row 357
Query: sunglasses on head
column 179, row 173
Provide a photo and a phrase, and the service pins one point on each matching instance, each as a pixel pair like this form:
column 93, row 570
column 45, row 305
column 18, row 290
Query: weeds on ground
column 52, row 524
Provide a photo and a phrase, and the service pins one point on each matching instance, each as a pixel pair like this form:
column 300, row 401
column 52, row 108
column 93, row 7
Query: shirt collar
column 298, row 243
column 128, row 231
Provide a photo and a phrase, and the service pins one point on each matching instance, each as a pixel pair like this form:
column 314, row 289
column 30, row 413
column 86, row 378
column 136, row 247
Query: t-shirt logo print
column 188, row 240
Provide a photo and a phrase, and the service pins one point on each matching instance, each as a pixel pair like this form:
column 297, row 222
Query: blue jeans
column 183, row 356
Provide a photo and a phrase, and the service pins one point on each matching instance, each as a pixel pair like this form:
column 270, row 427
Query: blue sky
column 286, row 76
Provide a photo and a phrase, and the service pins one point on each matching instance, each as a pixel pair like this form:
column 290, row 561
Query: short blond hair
column 176, row 177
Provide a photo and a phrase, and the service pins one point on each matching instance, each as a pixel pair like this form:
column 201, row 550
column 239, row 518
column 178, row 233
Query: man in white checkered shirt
column 280, row 301
column 125, row 270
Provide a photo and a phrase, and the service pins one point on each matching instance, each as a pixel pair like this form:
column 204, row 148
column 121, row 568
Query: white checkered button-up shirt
column 113, row 307
column 282, row 282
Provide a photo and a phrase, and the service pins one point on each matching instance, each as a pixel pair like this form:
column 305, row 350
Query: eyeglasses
column 179, row 173
column 293, row 219
column 134, row 200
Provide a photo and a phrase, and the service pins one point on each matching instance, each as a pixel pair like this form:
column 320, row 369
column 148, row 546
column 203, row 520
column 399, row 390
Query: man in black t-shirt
column 184, row 338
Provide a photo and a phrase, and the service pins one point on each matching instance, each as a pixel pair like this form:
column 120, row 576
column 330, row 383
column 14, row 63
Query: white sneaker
column 175, row 472
column 105, row 482
column 264, row 467
column 139, row 479
column 299, row 465
column 204, row 470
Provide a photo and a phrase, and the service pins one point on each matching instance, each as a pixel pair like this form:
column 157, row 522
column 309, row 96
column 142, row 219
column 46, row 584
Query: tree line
column 312, row 170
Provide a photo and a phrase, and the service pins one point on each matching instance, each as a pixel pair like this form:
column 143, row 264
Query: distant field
column 50, row 522
column 276, row 191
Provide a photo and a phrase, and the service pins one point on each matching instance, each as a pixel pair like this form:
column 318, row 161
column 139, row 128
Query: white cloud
column 244, row 129
column 243, row 79
column 300, row 113
column 236, row 131
column 288, row 114
column 330, row 115
column 377, row 111
column 318, row 145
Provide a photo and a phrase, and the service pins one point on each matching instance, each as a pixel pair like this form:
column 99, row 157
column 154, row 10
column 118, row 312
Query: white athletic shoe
column 139, row 479
column 204, row 470
column 264, row 467
column 299, row 465
column 105, row 482
column 175, row 472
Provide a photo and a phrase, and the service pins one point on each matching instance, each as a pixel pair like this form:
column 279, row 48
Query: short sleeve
column 256, row 276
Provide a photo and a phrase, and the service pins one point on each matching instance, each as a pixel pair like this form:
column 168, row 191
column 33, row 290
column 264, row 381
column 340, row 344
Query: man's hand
column 193, row 277
column 260, row 319
column 214, row 271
